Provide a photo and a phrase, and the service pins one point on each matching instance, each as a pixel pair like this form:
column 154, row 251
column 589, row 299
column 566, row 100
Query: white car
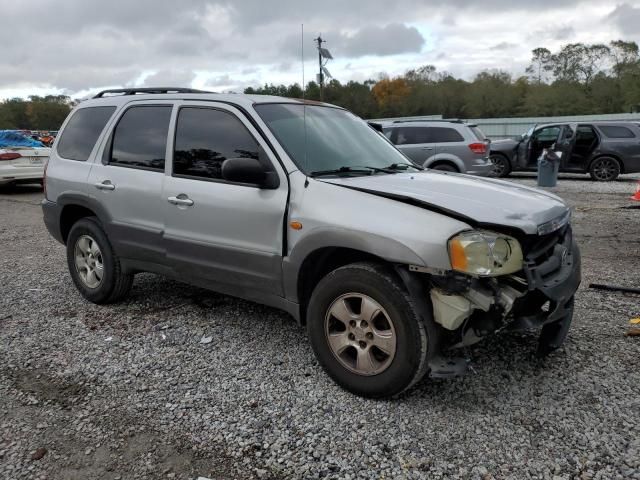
column 23, row 164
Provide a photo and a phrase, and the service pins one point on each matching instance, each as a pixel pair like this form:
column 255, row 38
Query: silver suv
column 304, row 207
column 448, row 145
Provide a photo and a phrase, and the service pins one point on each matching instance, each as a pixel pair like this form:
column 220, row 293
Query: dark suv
column 602, row 149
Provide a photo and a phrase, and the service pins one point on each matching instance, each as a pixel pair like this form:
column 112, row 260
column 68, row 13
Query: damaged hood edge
column 483, row 203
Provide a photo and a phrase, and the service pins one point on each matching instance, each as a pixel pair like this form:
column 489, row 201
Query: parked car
column 448, row 145
column 304, row 207
column 22, row 159
column 602, row 149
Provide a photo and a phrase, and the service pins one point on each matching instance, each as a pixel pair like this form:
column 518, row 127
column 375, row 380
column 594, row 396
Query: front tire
column 93, row 265
column 365, row 331
column 605, row 169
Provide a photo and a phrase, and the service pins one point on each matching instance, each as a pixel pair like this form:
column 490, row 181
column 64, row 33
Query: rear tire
column 93, row 265
column 373, row 355
column 501, row 165
column 605, row 169
column 445, row 167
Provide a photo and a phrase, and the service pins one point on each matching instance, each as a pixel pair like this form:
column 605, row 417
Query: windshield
column 335, row 139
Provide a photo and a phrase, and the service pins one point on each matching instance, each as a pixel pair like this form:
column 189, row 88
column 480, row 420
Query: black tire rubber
column 115, row 284
column 498, row 157
column 599, row 160
column 382, row 284
column 444, row 167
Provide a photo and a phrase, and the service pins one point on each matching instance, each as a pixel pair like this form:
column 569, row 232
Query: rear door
column 415, row 142
column 127, row 180
column 449, row 141
column 69, row 163
column 228, row 235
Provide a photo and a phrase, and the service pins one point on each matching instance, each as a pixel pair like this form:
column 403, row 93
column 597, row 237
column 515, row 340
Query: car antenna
column 304, row 103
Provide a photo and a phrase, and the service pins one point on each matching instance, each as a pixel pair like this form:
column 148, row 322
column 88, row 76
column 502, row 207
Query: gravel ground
column 178, row 382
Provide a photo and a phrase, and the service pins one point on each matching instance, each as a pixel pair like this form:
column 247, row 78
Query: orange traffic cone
column 636, row 196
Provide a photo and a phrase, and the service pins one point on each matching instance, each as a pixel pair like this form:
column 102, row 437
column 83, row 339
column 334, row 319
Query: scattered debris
column 635, row 321
column 205, row 340
column 614, row 288
column 633, row 332
column 39, row 453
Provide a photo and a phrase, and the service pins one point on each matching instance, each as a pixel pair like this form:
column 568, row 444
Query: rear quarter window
column 82, row 131
column 445, row 135
column 616, row 131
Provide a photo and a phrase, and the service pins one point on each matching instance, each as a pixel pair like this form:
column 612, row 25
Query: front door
column 216, row 232
column 541, row 138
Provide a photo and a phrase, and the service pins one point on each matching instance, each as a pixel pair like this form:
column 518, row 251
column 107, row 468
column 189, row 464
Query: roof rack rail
column 134, row 91
column 444, row 120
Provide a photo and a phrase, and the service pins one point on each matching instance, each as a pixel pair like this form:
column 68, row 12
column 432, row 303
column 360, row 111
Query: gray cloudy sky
column 79, row 46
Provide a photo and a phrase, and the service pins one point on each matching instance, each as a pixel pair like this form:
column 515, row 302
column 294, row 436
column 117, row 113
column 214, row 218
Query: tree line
column 35, row 113
column 578, row 79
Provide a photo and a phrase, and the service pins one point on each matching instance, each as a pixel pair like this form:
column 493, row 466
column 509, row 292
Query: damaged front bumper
column 467, row 309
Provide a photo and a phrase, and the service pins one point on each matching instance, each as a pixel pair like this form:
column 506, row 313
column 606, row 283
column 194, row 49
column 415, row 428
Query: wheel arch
column 320, row 253
column 440, row 159
column 75, row 207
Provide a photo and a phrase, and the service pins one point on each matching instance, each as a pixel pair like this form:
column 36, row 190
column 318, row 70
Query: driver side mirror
column 254, row 171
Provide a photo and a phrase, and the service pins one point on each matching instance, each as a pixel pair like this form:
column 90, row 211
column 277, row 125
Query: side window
column 412, row 135
column 445, row 135
column 205, row 138
column 616, row 131
column 82, row 132
column 548, row 134
column 140, row 138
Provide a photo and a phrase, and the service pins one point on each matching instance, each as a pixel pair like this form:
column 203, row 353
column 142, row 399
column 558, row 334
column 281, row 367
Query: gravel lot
column 135, row 391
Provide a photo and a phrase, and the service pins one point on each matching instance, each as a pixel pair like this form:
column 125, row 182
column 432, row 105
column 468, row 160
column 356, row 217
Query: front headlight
column 485, row 254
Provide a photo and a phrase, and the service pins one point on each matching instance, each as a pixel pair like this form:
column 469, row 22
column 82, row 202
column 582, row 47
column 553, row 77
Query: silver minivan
column 304, row 207
column 447, row 145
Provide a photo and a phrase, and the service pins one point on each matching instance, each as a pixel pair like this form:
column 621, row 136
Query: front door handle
column 427, row 148
column 181, row 199
column 105, row 185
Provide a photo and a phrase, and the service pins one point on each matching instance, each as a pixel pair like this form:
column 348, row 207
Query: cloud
column 503, row 46
column 81, row 45
column 170, row 78
column 627, row 18
column 392, row 39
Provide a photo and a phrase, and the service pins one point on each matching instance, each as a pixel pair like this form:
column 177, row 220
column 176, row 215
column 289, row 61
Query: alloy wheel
column 605, row 169
column 88, row 261
column 360, row 334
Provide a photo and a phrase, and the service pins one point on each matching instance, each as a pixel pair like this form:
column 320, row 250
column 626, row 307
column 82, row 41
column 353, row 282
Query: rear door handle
column 181, row 199
column 105, row 185
column 427, row 148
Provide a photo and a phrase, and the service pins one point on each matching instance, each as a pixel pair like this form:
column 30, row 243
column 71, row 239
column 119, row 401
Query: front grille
column 544, row 255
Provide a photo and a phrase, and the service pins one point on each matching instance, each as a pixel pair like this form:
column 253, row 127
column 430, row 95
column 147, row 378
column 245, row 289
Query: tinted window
column 205, row 138
column 478, row 133
column 140, row 138
column 412, row 135
column 612, row 131
column 82, row 132
column 445, row 135
column 548, row 134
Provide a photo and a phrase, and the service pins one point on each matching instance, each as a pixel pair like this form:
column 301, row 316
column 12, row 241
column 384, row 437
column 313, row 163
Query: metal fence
column 513, row 127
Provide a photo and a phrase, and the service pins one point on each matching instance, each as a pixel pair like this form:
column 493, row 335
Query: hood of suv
column 472, row 199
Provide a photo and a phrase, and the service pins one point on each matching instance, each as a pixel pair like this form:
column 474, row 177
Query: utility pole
column 322, row 71
column 320, row 74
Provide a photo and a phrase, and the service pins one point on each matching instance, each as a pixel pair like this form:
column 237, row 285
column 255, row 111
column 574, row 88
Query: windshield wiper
column 401, row 166
column 337, row 171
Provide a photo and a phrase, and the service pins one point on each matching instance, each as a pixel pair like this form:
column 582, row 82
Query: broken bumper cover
column 557, row 278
